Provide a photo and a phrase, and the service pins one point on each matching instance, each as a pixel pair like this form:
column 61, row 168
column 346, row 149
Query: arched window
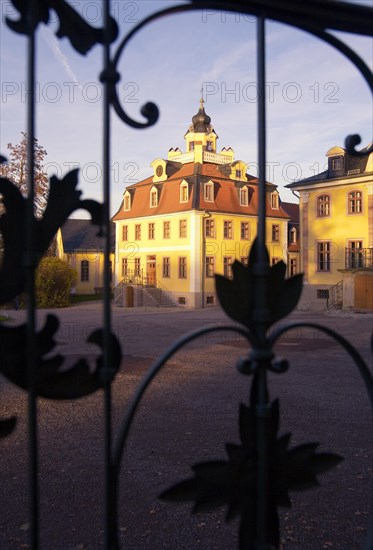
column 323, row 206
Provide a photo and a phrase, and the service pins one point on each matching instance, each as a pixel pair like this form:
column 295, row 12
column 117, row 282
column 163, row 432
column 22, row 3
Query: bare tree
column 16, row 171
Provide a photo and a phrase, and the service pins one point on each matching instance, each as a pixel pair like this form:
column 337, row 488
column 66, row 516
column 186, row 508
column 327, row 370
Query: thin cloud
column 59, row 56
column 224, row 63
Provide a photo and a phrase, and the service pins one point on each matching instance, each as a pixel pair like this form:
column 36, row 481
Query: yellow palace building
column 191, row 218
column 336, row 232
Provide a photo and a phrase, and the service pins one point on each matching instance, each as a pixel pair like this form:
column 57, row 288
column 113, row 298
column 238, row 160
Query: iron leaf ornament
column 54, row 380
column 233, row 482
column 82, row 36
column 237, row 295
column 63, row 199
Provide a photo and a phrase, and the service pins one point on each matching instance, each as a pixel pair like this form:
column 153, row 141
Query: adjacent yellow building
column 190, row 219
column 80, row 247
column 336, row 232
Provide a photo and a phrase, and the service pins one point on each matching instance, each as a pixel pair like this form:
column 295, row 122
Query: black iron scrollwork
column 82, row 36
column 262, row 470
column 54, row 380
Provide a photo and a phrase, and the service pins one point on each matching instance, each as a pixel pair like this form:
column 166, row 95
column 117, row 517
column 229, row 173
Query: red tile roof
column 225, row 193
column 292, row 209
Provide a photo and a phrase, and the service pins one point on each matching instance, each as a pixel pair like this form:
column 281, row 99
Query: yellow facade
column 185, row 265
column 336, row 225
column 340, row 228
column 87, row 258
column 90, row 269
column 193, row 217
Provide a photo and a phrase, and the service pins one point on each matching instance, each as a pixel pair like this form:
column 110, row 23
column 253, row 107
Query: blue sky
column 315, row 96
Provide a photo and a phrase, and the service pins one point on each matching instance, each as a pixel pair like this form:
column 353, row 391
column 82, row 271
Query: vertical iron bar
column 108, row 535
column 261, row 271
column 30, row 262
column 261, row 137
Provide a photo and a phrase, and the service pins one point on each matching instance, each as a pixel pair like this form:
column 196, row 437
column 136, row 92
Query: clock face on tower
column 159, row 170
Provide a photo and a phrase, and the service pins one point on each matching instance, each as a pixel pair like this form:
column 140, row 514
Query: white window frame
column 153, row 193
column 127, row 202
column 209, row 191
column 184, row 187
column 244, row 196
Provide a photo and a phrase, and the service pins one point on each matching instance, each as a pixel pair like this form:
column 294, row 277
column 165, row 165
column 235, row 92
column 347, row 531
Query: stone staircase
column 156, row 297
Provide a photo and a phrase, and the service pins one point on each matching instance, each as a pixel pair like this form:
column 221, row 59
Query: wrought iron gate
column 259, row 473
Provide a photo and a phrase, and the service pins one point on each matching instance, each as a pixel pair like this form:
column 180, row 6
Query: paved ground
column 187, row 416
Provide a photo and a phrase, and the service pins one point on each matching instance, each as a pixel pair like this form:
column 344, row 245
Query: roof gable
column 82, row 236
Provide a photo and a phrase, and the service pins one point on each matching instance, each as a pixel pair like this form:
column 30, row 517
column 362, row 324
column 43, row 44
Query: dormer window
column 238, row 174
column 153, row 198
column 274, row 200
column 184, row 192
column 191, row 146
column 293, row 235
column 209, row 191
column 127, row 201
column 160, row 169
column 244, row 196
column 209, row 146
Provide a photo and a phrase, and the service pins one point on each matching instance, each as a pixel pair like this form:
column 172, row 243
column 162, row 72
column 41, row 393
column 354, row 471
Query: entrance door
column 364, row 292
column 129, row 296
column 151, row 270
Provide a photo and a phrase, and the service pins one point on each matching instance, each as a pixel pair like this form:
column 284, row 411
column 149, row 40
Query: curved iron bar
column 351, row 350
column 342, row 18
column 149, row 110
column 364, row 372
column 153, row 371
column 139, row 393
column 314, row 27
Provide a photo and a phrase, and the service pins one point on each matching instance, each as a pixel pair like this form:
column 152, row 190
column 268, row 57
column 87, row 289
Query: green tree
column 53, row 281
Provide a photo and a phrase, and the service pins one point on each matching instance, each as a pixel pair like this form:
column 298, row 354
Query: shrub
column 54, row 279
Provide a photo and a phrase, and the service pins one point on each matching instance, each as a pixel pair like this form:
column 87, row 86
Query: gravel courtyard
column 187, row 416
